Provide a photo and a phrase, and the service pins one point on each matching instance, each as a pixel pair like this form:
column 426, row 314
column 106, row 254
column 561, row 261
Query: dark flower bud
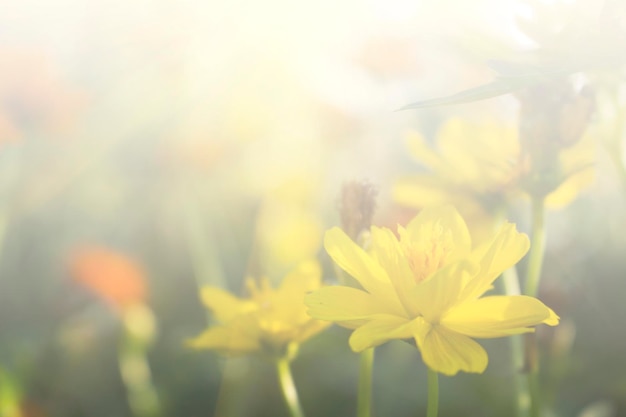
column 356, row 207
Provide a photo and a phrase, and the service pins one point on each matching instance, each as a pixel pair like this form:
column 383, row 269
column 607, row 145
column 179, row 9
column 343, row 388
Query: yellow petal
column 448, row 352
column 442, row 223
column 577, row 167
column 233, row 340
column 286, row 305
column 441, row 291
column 288, row 300
column 307, row 276
column 380, row 330
column 223, row 304
column 355, row 261
column 426, row 190
column 570, row 188
column 498, row 316
column 349, row 307
column 311, row 328
column 478, row 155
column 422, row 151
column 457, row 143
column 504, row 251
column 390, row 255
column 552, row 320
column 287, row 234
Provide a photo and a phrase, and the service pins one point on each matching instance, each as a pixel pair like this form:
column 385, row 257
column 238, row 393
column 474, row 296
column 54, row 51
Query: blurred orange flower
column 114, row 277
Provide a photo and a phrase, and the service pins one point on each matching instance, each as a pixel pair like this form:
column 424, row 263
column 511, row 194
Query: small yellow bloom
column 269, row 321
column 481, row 167
column 427, row 285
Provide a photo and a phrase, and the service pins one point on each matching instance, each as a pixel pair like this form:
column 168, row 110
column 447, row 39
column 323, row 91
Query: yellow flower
column 269, row 321
column 427, row 285
column 288, row 228
column 481, row 167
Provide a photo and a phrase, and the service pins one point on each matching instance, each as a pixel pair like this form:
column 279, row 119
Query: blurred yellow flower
column 427, row 285
column 269, row 321
column 289, row 230
column 481, row 167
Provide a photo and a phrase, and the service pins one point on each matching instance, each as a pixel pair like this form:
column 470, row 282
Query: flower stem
column 616, row 157
column 535, row 262
column 433, row 394
column 537, row 248
column 139, row 332
column 364, row 399
column 288, row 387
column 511, row 287
column 205, row 262
column 533, row 387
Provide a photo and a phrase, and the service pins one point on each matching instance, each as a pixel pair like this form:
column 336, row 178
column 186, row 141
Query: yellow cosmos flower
column 427, row 285
column 269, row 321
column 480, row 167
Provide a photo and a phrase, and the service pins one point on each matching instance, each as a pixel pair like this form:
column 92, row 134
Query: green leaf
column 511, row 76
column 495, row 88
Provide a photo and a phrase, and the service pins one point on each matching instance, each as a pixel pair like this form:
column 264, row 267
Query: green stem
column 288, row 387
column 535, row 262
column 522, row 393
column 533, row 387
column 364, row 400
column 532, row 369
column 511, row 284
column 616, row 157
column 133, row 362
column 537, row 248
column 205, row 261
column 230, row 387
column 433, row 394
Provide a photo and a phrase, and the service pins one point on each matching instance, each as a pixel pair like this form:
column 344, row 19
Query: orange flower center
column 428, row 254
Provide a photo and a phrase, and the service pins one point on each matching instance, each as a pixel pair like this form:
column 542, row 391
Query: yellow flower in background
column 427, row 285
column 481, row 167
column 289, row 230
column 268, row 321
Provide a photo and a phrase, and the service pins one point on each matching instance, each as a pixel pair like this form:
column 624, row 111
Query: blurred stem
column 433, row 394
column 204, row 256
column 537, row 247
column 535, row 262
column 207, row 270
column 288, row 387
column 616, row 157
column 133, row 361
column 364, row 400
column 511, row 284
column 522, row 393
column 3, row 227
column 533, row 387
column 230, row 387
column 511, row 281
